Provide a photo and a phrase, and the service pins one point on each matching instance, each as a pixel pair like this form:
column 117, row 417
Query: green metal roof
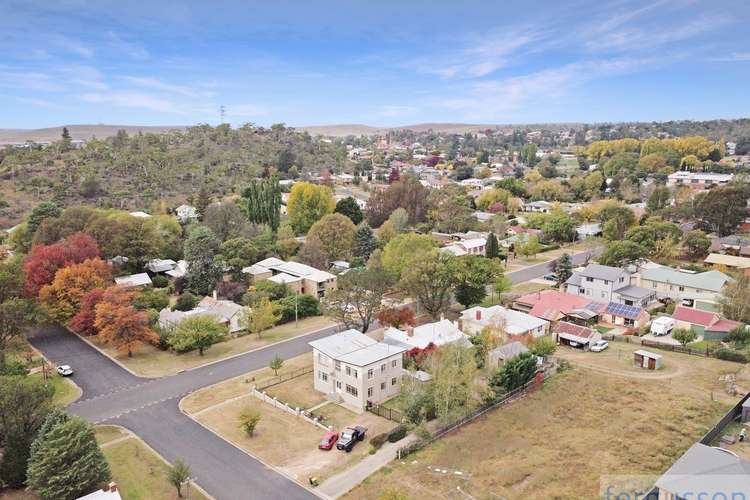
column 712, row 281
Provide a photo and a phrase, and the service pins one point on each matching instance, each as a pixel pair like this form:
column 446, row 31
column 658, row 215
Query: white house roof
column 139, row 279
column 338, row 344
column 179, row 270
column 296, row 269
column 439, row 333
column 284, row 278
column 514, row 322
column 371, row 354
column 473, row 243
column 454, row 249
column 160, row 265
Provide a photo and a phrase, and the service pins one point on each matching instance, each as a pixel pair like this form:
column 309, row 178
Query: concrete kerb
column 124, row 367
column 131, row 434
column 266, row 464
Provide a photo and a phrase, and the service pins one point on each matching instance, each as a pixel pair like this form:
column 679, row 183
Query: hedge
column 730, row 355
column 397, row 434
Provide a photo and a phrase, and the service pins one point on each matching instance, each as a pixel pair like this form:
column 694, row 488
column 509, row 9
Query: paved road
column 539, row 270
column 149, row 407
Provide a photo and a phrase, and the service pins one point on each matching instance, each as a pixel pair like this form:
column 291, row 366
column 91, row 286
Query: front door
column 651, row 364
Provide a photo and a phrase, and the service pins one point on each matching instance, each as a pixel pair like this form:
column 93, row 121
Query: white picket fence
column 297, row 412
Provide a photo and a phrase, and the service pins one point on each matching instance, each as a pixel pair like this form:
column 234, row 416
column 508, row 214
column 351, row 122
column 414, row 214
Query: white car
column 599, row 346
column 65, row 370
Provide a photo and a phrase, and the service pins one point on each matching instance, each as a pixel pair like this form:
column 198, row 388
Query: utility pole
column 296, row 317
column 222, row 112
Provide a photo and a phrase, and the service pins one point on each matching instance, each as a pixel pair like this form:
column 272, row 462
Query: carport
column 575, row 335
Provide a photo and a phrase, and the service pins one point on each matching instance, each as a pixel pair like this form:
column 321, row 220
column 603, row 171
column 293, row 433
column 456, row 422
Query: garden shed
column 647, row 359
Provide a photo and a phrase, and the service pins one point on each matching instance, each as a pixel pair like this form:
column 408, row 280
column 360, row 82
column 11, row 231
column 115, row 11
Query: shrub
column 185, row 302
column 249, row 420
column 151, row 299
column 306, row 306
column 160, row 281
column 379, row 440
column 397, row 434
column 13, row 367
column 730, row 355
column 231, row 290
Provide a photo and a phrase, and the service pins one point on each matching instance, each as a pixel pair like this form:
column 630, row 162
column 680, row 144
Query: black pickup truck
column 350, row 436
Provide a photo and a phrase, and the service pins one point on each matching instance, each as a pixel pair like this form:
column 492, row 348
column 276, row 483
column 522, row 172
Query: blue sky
column 378, row 63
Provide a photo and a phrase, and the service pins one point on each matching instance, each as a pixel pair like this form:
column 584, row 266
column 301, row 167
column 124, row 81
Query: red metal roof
column 694, row 316
column 570, row 328
column 551, row 304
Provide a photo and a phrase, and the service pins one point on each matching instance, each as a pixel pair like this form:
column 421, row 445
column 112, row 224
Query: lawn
column 603, row 329
column 65, row 391
column 529, row 287
column 139, row 472
column 298, row 392
column 153, row 362
column 281, row 439
column 583, row 423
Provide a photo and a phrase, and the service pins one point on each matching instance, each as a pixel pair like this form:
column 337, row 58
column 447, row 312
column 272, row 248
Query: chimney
column 479, row 314
column 410, row 331
column 111, row 487
column 215, row 295
column 442, row 316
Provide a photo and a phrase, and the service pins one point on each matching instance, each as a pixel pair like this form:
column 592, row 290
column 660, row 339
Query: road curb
column 264, row 463
column 104, row 353
column 133, row 435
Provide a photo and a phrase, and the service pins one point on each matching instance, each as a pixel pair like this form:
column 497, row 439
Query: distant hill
column 13, row 136
column 447, row 128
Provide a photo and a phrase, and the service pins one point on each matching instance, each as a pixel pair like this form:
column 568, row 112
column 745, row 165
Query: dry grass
column 153, row 362
column 582, row 424
column 240, row 386
column 281, row 439
column 529, row 287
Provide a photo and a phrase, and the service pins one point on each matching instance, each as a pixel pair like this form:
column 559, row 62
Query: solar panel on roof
column 630, row 312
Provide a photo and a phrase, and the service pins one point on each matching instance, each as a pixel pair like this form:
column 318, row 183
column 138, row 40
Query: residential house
column 501, row 354
column 575, row 335
column 698, row 180
column 709, row 325
column 186, row 213
column 589, row 230
column 540, row 206
column 620, row 314
column 515, row 324
column 608, row 284
column 134, row 280
column 713, row 472
column 732, row 261
column 300, row 278
column 483, row 217
column 157, row 266
column 438, row 334
column 699, row 290
column 550, row 305
column 108, row 492
column 733, row 245
column 354, row 369
column 473, row 246
column 225, row 312
column 179, row 270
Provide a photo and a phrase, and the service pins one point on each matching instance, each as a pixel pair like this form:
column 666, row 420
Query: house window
column 382, row 368
column 382, row 386
column 322, row 359
column 338, row 384
column 606, row 282
column 682, row 288
column 653, row 284
column 369, row 392
column 629, row 322
column 338, row 366
column 323, row 376
column 394, row 363
column 369, row 374
column 348, row 370
column 590, row 280
column 355, row 373
column 393, row 381
column 604, row 294
column 622, row 279
column 352, row 390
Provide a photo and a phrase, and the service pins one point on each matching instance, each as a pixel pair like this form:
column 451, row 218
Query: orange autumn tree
column 62, row 298
column 120, row 324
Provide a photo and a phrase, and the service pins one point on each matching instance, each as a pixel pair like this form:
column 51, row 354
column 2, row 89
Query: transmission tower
column 222, row 112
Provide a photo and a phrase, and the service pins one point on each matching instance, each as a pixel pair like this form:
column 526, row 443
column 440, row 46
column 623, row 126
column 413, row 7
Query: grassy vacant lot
column 602, row 418
column 65, row 390
column 138, row 471
column 281, row 439
column 153, row 362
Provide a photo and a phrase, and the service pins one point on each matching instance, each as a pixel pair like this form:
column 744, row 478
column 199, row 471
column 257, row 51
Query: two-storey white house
column 608, row 284
column 353, row 369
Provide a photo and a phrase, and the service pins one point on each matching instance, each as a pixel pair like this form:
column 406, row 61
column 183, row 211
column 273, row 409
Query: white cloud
column 130, row 49
column 41, row 103
column 134, row 100
column 30, row 80
column 480, row 56
column 733, row 57
column 156, row 84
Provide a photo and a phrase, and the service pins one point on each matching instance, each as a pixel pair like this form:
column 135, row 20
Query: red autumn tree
column 62, row 298
column 120, row 324
column 394, row 175
column 83, row 321
column 43, row 261
column 391, row 316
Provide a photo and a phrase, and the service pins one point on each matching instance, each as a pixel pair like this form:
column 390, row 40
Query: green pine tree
column 492, row 250
column 364, row 241
column 66, row 461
